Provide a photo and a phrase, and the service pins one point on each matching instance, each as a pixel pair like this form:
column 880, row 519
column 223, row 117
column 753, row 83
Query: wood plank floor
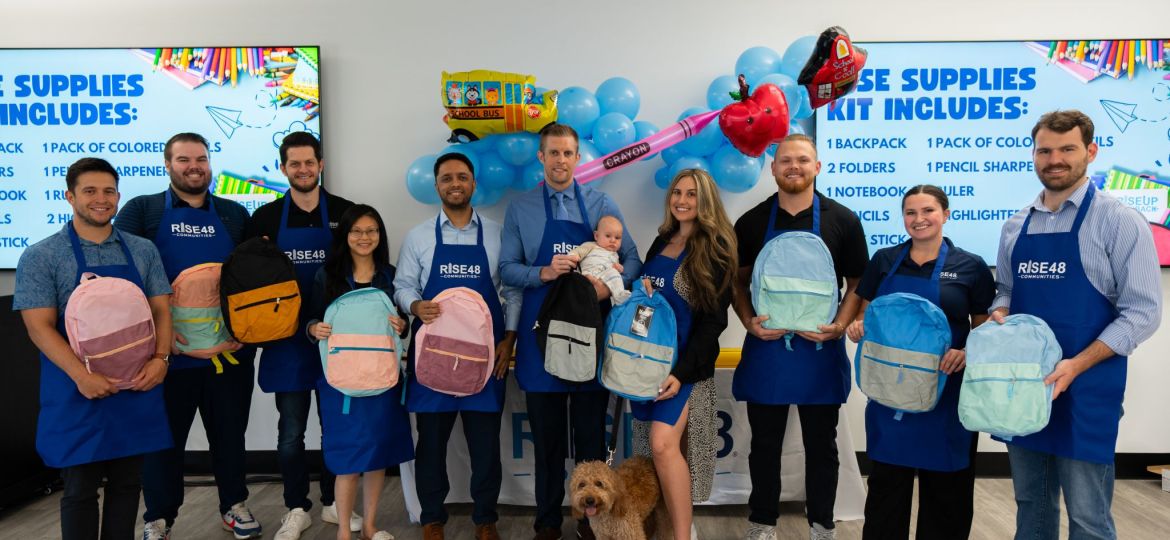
column 1141, row 510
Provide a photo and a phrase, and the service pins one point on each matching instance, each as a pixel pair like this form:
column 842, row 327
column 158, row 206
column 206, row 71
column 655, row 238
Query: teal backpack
column 641, row 346
column 897, row 361
column 794, row 283
column 361, row 356
column 1003, row 390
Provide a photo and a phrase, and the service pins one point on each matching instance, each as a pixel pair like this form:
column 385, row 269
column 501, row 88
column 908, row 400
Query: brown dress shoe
column 433, row 531
column 548, row 533
column 584, row 531
column 486, row 531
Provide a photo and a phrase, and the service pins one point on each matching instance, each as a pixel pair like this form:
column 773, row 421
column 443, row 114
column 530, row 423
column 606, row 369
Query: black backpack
column 259, row 295
column 569, row 329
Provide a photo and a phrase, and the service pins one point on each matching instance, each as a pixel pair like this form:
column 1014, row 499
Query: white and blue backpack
column 897, row 362
column 361, row 356
column 794, row 283
column 634, row 366
column 1003, row 390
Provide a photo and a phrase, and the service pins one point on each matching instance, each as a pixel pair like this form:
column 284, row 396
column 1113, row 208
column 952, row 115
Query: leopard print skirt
column 700, row 445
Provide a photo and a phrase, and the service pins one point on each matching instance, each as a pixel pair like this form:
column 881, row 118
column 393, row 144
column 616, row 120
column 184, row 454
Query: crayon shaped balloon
column 638, row 149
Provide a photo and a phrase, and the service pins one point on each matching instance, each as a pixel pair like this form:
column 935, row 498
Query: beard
column 1075, row 173
column 794, row 187
column 303, row 188
column 180, row 183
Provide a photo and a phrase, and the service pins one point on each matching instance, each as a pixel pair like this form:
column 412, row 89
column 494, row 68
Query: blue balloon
column 517, row 148
column 578, row 108
column 643, row 129
column 494, row 173
column 705, row 142
column 672, row 154
column 734, row 171
column 481, row 146
column 420, row 180
column 619, row 95
column 805, row 109
column 662, row 177
column 611, row 132
column 588, row 152
column 462, row 149
column 689, row 162
column 771, row 149
column 755, row 63
column 797, row 55
column 719, row 91
column 530, row 176
column 484, row 196
column 793, row 93
column 797, row 127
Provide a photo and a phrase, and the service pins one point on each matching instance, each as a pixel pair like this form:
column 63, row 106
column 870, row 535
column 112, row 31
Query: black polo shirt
column 966, row 286
column 840, row 230
column 266, row 219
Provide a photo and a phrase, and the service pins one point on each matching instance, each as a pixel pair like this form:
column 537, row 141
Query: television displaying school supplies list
column 59, row 105
column 960, row 115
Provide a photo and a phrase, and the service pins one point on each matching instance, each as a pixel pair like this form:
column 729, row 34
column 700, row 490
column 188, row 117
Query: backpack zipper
column 112, row 352
column 268, row 301
column 339, row 349
column 638, row 355
column 457, row 356
column 1011, row 390
column 900, row 367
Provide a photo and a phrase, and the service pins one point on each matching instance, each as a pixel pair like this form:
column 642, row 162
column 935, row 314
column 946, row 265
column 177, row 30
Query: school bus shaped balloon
column 481, row 103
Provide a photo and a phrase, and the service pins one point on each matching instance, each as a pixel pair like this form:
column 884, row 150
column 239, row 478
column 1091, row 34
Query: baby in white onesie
column 598, row 257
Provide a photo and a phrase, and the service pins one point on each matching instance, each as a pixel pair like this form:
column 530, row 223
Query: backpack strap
column 611, row 445
column 227, row 355
column 345, row 405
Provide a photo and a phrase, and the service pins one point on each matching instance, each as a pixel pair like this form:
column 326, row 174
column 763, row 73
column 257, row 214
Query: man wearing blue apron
column 814, row 374
column 301, row 223
column 190, row 226
column 1086, row 264
column 540, row 228
column 458, row 248
column 87, row 426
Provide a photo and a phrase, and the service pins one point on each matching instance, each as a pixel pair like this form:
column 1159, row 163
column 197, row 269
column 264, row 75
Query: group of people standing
column 1105, row 302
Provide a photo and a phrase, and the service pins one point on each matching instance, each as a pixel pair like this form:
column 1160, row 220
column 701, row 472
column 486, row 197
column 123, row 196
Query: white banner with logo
column 732, row 483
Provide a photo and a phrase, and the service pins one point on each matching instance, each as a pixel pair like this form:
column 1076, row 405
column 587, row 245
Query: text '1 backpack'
column 110, row 327
column 641, row 346
column 260, row 298
column 1003, row 390
column 898, row 360
column 568, row 329
column 455, row 353
column 195, row 314
column 794, row 283
column 360, row 357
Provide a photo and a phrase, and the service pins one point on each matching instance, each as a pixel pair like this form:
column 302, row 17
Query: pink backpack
column 110, row 327
column 455, row 354
column 196, row 315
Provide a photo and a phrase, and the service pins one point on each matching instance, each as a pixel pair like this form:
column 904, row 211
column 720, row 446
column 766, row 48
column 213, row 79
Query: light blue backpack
column 794, row 283
column 641, row 346
column 897, row 361
column 361, row 356
column 1003, row 390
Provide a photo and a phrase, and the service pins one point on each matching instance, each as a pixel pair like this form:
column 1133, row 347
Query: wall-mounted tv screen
column 59, row 105
column 960, row 115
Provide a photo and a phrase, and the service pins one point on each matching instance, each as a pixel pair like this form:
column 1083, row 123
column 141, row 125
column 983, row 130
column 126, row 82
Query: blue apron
column 566, row 235
column 933, row 440
column 293, row 364
column 1085, row 417
column 419, row 398
column 661, row 270
column 181, row 250
column 770, row 374
column 374, row 434
column 73, row 430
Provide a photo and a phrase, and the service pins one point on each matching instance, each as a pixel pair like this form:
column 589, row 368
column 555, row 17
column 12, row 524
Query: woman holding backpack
column 359, row 435
column 932, row 445
column 691, row 263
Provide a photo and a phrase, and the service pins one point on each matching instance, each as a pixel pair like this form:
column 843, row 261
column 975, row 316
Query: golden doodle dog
column 621, row 504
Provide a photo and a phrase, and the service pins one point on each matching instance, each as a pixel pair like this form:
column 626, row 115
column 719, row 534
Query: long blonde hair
column 711, row 245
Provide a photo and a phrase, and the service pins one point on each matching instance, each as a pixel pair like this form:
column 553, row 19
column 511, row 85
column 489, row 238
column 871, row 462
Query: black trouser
column 550, row 415
column 945, row 502
column 290, row 450
column 222, row 401
column 482, row 431
column 818, row 428
column 79, row 502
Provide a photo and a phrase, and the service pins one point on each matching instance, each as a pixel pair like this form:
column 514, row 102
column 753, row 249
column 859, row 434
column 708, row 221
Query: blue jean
column 1039, row 479
column 290, row 449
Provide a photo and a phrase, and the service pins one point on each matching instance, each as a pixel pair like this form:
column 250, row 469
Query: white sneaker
column 817, row 532
column 329, row 515
column 240, row 523
column 156, row 530
column 293, row 524
column 760, row 532
column 382, row 535
column 694, row 532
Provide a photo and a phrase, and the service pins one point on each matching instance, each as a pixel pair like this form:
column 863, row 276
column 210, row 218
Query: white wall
column 381, row 62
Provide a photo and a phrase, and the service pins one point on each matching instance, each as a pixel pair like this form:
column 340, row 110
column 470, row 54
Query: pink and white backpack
column 455, row 354
column 110, row 326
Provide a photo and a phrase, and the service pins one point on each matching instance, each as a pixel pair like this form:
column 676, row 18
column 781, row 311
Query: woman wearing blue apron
column 932, row 445
column 688, row 257
column 375, row 433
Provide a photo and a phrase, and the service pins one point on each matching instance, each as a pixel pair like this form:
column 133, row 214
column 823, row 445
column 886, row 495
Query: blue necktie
column 561, row 212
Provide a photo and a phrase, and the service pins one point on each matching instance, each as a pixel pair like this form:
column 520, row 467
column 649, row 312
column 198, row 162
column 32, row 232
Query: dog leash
column 618, row 413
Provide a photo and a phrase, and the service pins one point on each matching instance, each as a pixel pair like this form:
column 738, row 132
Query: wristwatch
column 166, row 358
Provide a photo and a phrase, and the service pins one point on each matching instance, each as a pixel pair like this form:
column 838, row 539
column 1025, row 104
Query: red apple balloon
column 756, row 120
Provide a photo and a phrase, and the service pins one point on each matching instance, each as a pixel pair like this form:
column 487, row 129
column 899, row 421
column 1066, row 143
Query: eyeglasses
column 356, row 233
